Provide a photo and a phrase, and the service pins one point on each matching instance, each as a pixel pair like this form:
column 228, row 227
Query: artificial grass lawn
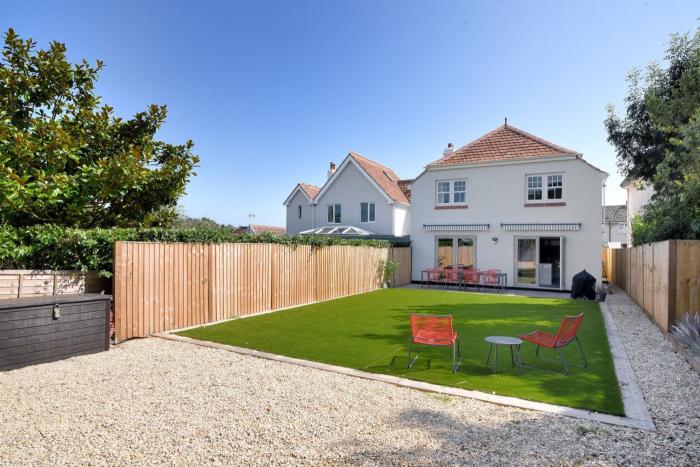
column 369, row 332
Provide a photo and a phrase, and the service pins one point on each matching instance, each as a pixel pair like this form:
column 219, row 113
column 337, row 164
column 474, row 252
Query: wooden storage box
column 43, row 329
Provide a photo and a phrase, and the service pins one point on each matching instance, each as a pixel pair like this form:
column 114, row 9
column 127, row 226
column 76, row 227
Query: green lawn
column 369, row 332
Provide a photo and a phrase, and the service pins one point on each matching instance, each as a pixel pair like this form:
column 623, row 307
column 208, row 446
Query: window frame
column 337, row 213
column 544, row 187
column 371, row 212
column 299, row 212
column 451, row 192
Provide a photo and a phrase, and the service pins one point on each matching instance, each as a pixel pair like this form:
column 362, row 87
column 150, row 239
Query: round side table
column 511, row 342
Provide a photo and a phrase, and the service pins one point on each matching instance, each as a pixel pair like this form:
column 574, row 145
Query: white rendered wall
column 495, row 195
column 294, row 224
column 351, row 188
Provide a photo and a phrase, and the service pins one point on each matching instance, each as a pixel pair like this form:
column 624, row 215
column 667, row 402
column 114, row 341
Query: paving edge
column 632, row 397
column 427, row 387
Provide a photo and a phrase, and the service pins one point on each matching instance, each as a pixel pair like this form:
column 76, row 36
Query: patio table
column 501, row 280
column 511, row 342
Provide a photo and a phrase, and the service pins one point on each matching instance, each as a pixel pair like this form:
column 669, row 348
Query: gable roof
column 310, row 190
column 383, row 176
column 258, row 228
column 617, row 213
column 505, row 143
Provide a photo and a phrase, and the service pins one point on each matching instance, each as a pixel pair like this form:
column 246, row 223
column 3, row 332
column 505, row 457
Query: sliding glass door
column 526, row 261
column 455, row 251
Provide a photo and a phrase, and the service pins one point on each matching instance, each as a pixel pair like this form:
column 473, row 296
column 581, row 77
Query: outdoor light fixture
column 494, row 239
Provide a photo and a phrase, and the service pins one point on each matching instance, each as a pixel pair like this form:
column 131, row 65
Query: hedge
column 61, row 248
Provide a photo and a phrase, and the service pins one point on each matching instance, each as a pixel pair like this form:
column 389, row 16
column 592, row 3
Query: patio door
column 455, row 251
column 526, row 254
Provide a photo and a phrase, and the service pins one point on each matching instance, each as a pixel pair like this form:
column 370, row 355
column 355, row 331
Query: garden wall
column 166, row 286
column 34, row 283
column 661, row 277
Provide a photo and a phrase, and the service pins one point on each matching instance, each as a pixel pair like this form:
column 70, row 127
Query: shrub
column 687, row 331
column 61, row 248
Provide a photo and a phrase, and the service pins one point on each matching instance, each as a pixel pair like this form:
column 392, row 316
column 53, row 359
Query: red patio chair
column 565, row 335
column 433, row 330
column 471, row 277
column 489, row 278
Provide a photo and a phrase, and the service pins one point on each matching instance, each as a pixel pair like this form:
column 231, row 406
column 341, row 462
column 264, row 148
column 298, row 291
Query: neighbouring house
column 509, row 201
column 614, row 230
column 361, row 197
column 257, row 229
column 639, row 194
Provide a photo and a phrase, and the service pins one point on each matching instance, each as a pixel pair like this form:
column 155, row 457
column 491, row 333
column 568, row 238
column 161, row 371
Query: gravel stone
column 152, row 401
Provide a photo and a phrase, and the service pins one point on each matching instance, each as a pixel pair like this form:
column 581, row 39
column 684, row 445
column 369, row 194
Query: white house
column 509, row 201
column 638, row 195
column 361, row 197
column 614, row 228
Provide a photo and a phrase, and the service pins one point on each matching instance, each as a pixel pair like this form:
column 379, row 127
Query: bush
column 61, row 248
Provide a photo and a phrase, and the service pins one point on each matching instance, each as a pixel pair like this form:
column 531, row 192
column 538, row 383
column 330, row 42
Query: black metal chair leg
column 563, row 361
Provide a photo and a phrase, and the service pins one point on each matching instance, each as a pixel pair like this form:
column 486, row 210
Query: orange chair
column 565, row 335
column 433, row 330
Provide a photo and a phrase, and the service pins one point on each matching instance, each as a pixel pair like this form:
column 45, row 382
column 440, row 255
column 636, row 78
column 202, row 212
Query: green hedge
column 61, row 248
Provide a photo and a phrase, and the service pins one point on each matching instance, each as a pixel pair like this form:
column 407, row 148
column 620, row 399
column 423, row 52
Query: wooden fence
column 165, row 286
column 661, row 277
column 35, row 283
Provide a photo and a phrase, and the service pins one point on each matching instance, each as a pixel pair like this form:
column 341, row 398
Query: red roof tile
column 257, row 228
column 405, row 186
column 502, row 144
column 383, row 176
column 310, row 190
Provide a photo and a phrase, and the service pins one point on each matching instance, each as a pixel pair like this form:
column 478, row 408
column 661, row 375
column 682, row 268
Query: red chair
column 434, row 330
column 489, row 278
column 471, row 277
column 565, row 335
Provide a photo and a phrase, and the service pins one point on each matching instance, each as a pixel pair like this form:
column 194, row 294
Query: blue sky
column 272, row 91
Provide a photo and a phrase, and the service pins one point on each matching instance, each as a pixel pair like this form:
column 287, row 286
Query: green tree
column 658, row 141
column 65, row 158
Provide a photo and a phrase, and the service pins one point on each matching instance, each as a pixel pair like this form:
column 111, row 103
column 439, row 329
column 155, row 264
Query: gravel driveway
column 154, row 401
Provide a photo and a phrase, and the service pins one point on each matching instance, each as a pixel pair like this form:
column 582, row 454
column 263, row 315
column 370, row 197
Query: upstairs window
column 451, row 192
column 299, row 211
column 334, row 214
column 367, row 212
column 534, row 187
column 538, row 191
column 555, row 185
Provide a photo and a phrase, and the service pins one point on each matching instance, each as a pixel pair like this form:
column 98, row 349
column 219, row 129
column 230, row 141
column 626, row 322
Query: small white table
column 511, row 342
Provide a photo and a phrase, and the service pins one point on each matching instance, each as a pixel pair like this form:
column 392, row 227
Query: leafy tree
column 658, row 141
column 65, row 158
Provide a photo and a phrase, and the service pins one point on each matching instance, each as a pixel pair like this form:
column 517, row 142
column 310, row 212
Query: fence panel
column 661, row 277
column 166, row 286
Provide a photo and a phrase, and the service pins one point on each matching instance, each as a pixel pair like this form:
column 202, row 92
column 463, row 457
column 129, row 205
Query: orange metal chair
column 434, row 330
column 489, row 278
column 565, row 335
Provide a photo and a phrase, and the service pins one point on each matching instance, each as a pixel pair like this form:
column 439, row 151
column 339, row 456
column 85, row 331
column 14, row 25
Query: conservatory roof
column 337, row 230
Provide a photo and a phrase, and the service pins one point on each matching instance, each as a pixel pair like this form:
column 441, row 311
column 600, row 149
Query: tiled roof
column 502, row 144
column 310, row 190
column 405, row 186
column 383, row 176
column 257, row 228
column 616, row 213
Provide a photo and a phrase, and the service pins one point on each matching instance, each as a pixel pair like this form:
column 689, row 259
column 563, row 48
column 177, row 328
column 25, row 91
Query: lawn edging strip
column 428, row 387
column 632, row 397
